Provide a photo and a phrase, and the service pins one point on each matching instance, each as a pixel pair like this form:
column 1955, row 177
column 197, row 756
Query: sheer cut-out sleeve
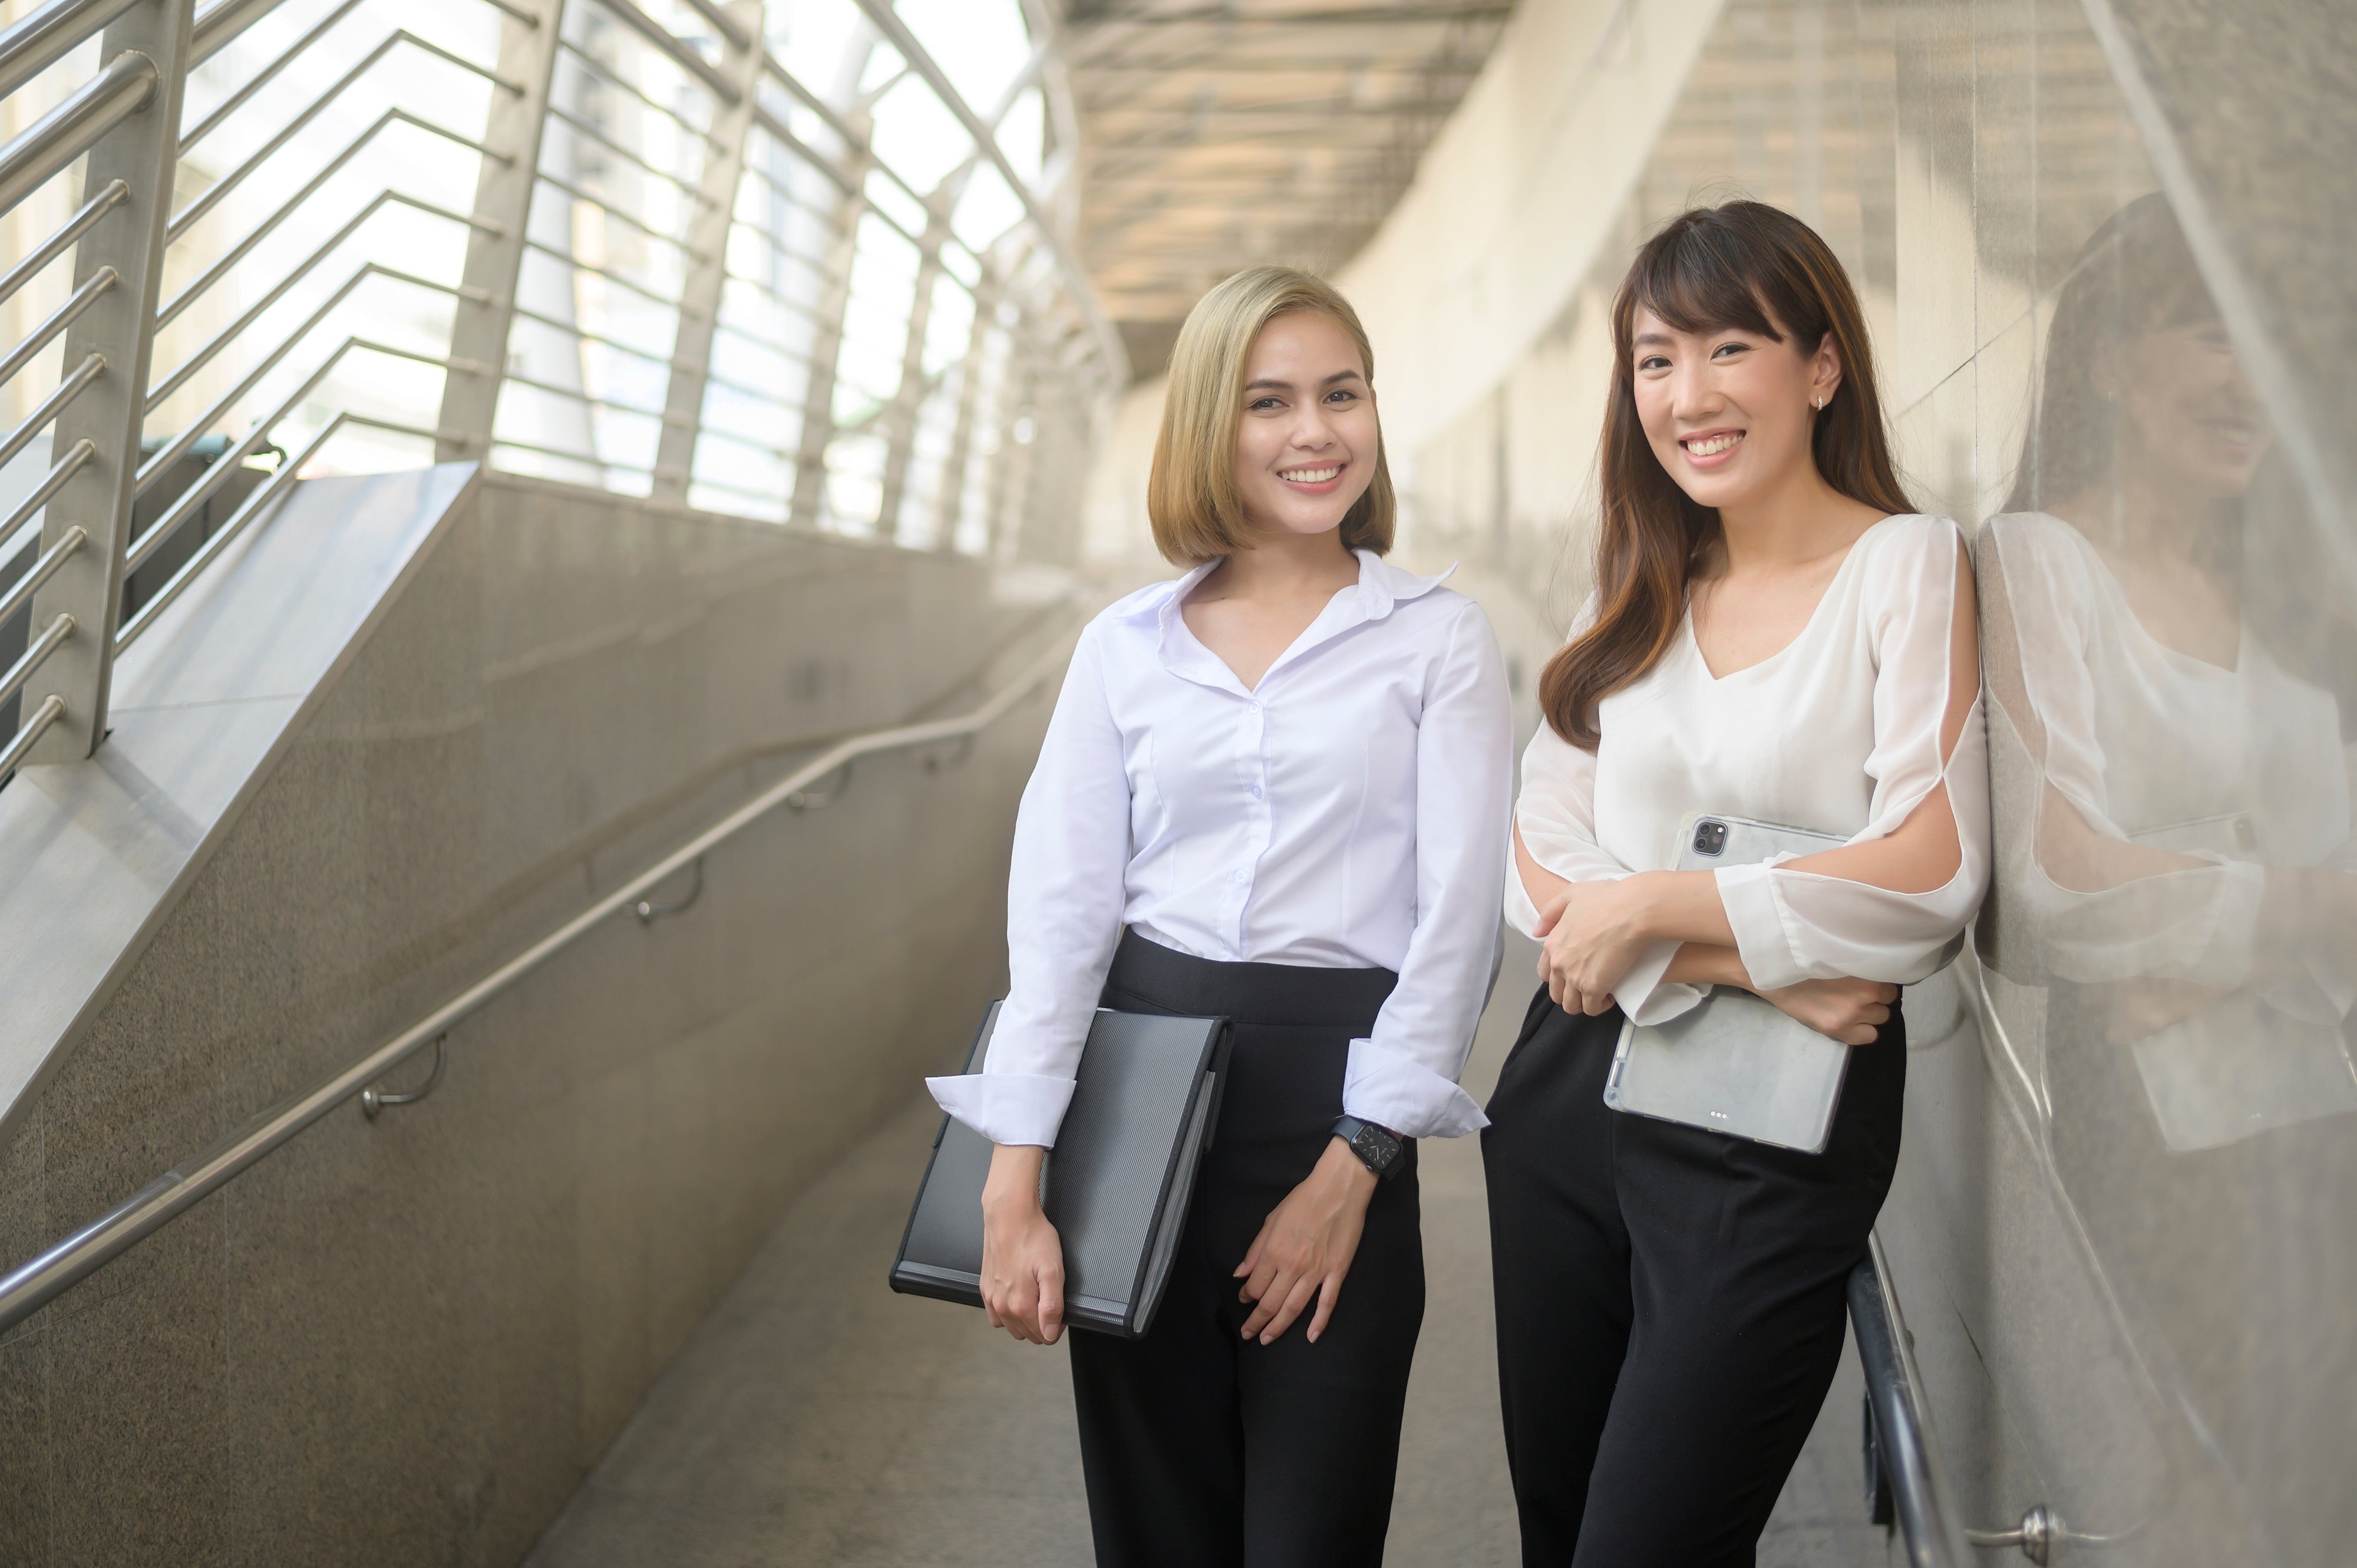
column 1556, row 815
column 1791, row 926
column 2198, row 924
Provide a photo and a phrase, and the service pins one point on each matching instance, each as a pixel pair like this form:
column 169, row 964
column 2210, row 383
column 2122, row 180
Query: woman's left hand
column 1594, row 933
column 1306, row 1245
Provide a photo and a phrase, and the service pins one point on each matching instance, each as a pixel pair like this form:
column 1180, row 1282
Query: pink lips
column 1714, row 459
column 1325, row 487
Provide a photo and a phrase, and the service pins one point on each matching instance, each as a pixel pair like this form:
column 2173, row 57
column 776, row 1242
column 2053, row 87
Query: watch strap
column 1378, row 1148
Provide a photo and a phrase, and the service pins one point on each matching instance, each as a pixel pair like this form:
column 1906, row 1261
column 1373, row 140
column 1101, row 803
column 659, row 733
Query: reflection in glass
column 2175, row 845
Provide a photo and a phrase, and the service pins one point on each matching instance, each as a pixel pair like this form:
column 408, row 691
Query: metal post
column 119, row 326
column 479, row 333
column 826, row 339
column 1011, row 483
column 950, row 509
column 909, row 399
column 707, row 255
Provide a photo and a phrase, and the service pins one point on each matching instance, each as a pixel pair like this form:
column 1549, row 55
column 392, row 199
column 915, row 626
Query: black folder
column 1117, row 1181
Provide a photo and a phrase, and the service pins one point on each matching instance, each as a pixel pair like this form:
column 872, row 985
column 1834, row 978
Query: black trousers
column 1204, row 1450
column 1670, row 1299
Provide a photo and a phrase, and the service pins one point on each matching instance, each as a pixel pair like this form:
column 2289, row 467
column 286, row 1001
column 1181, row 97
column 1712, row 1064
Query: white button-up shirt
column 1350, row 812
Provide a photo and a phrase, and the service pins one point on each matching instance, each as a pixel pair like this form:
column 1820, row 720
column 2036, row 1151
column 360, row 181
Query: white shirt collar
column 1381, row 588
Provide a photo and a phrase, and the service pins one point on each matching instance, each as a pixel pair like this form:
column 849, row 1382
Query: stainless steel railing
column 1900, row 1448
column 40, row 1280
column 638, row 243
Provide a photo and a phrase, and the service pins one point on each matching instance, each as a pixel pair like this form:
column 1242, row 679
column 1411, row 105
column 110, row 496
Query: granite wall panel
column 404, row 1341
column 2100, row 244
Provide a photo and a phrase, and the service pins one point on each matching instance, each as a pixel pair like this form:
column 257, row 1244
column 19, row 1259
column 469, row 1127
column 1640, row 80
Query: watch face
column 1372, row 1148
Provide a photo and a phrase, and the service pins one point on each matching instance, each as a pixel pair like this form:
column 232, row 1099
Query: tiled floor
column 817, row 1419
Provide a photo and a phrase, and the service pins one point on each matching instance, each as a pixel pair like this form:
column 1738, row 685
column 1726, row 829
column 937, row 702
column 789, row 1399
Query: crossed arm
column 1596, row 931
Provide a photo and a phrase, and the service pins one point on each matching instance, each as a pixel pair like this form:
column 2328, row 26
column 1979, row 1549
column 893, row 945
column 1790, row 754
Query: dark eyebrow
column 1272, row 382
column 1656, row 340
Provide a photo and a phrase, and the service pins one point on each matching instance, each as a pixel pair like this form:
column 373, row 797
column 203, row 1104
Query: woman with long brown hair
column 1776, row 636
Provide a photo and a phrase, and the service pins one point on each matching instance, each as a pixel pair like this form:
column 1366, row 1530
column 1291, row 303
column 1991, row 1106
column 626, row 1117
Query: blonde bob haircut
column 1192, row 494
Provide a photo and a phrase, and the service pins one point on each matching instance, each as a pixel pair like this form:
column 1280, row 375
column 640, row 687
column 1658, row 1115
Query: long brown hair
column 1745, row 265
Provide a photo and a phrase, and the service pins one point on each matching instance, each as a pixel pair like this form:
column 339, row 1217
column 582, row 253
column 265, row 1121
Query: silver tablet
column 1734, row 1064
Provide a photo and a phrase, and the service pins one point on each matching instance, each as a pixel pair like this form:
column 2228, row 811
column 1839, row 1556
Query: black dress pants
column 1670, row 1299
column 1202, row 1449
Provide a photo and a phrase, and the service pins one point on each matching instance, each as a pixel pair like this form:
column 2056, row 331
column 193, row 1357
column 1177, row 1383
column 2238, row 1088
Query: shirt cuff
column 1643, row 996
column 1392, row 1089
column 1766, row 948
column 1006, row 1107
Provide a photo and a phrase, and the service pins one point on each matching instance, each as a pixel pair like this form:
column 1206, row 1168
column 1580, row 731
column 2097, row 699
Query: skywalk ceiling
column 1216, row 134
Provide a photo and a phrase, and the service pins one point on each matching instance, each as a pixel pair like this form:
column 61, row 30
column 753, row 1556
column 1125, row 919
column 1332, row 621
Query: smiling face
column 1726, row 411
column 2189, row 420
column 1306, row 439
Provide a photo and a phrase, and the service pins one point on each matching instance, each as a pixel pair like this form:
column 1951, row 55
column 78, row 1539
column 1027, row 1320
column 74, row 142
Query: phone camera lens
column 1709, row 838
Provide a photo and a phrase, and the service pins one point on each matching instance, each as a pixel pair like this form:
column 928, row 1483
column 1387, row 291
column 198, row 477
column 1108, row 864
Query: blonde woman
column 1274, row 791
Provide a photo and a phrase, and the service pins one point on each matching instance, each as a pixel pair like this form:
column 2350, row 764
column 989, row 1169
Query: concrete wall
column 405, row 1342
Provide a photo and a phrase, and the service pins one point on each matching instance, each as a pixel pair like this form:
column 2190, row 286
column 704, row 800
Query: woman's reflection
column 2187, row 869
column 2173, row 815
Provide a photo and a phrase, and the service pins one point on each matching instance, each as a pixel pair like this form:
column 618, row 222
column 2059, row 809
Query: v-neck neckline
column 1300, row 643
column 1693, row 643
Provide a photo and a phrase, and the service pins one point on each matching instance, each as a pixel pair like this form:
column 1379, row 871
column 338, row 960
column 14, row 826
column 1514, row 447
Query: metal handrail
column 264, row 77
column 40, row 1280
column 52, row 709
column 1894, row 1390
column 204, row 356
column 580, row 127
column 608, row 75
column 127, row 119
column 153, row 468
column 302, row 197
column 620, row 280
column 64, row 468
column 673, row 47
column 35, row 655
column 250, row 507
column 1076, row 277
column 63, row 316
column 621, row 213
column 54, row 557
column 68, row 131
column 92, row 367
column 257, row 436
column 38, row 41
column 116, row 193
column 224, row 184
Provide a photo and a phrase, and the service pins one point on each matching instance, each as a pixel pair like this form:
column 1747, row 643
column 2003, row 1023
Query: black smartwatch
column 1378, row 1148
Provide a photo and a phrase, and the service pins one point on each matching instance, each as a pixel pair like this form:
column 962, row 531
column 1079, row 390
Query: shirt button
column 1255, row 792
column 1236, row 876
column 1255, row 707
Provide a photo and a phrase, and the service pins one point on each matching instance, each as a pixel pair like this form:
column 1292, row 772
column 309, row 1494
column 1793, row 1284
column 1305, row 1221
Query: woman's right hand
column 1022, row 1256
column 1850, row 1011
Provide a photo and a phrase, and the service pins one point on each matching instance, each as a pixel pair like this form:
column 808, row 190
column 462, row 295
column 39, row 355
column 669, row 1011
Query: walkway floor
column 818, row 1420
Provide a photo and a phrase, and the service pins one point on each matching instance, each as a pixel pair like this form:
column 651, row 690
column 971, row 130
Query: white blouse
column 2241, row 767
column 1347, row 812
column 1838, row 732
